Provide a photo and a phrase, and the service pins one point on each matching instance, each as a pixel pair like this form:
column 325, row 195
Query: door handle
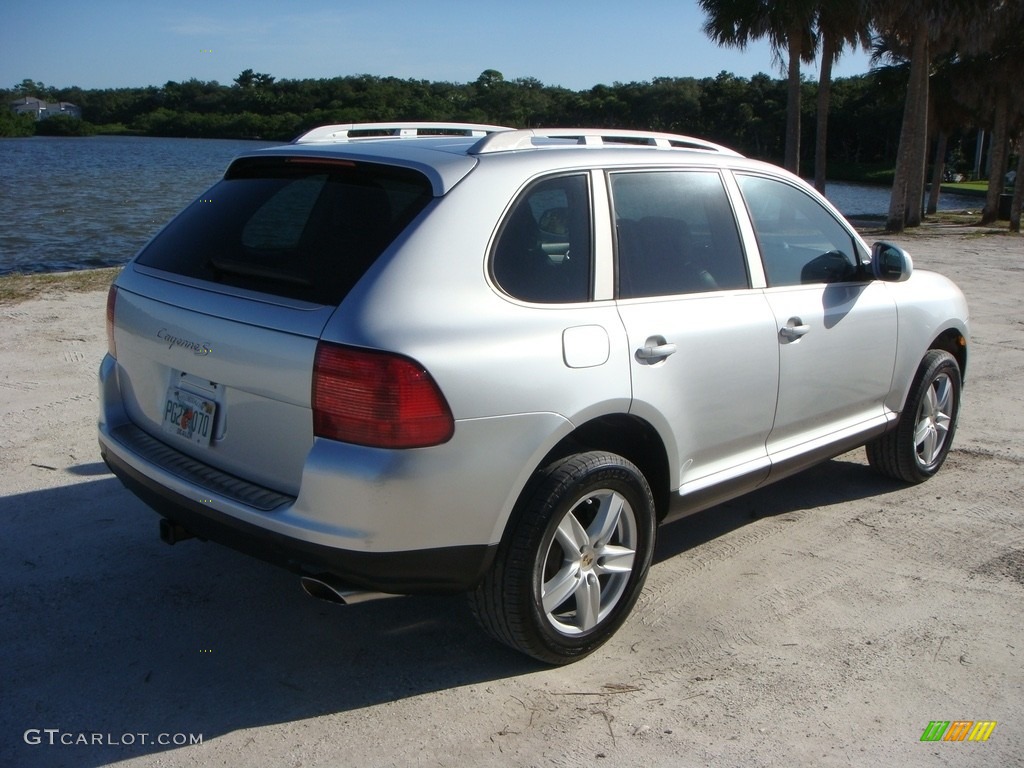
column 655, row 351
column 793, row 329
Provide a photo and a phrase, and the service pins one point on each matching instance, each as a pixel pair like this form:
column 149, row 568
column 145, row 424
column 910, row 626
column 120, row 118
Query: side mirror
column 890, row 262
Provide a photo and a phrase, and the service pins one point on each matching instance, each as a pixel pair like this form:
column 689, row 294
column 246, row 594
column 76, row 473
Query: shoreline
column 18, row 287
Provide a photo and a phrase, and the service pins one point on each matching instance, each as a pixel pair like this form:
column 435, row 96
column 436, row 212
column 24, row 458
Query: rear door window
column 675, row 234
column 297, row 227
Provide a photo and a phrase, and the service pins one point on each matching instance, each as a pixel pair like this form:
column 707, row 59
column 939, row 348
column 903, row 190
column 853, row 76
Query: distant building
column 30, row 105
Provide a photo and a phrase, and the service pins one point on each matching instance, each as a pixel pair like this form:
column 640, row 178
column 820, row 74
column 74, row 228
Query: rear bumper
column 438, row 570
column 400, row 521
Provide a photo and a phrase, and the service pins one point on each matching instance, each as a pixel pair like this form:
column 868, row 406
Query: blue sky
column 114, row 43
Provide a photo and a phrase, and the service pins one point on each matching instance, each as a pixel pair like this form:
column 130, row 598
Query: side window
column 800, row 241
column 675, row 234
column 543, row 251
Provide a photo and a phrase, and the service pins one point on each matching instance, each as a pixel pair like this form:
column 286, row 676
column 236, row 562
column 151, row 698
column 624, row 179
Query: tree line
column 747, row 114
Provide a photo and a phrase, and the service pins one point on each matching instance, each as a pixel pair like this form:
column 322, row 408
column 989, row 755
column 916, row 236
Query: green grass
column 18, row 288
column 979, row 188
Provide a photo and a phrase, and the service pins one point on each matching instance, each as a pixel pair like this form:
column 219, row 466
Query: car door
column 836, row 327
column 704, row 360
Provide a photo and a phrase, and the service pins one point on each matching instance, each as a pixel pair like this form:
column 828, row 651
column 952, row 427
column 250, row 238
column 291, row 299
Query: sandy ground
column 822, row 622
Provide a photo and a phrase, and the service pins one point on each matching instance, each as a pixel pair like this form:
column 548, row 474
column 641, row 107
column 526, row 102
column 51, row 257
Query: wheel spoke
column 571, row 535
column 588, row 602
column 607, row 519
column 929, row 405
column 943, row 396
column 943, row 408
column 921, row 434
column 613, row 559
column 561, row 586
column 929, row 446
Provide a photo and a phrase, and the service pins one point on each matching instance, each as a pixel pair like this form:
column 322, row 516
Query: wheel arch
column 950, row 336
column 628, row 436
column 954, row 341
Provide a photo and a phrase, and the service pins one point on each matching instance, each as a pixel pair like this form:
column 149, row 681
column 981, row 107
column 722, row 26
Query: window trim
column 603, row 273
column 748, row 235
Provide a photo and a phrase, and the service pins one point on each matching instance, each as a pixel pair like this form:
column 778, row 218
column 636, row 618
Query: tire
column 917, row 447
column 572, row 566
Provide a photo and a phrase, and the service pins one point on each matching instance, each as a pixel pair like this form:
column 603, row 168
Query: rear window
column 303, row 228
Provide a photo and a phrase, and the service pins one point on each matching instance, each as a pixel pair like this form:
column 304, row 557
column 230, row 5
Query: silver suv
column 458, row 358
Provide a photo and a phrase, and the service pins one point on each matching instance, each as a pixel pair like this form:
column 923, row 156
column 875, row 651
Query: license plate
column 189, row 416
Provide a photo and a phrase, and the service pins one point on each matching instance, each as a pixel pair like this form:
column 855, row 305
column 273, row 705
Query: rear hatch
column 216, row 321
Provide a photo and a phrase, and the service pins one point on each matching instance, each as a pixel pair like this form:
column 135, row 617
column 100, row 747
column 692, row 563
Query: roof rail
column 506, row 141
column 362, row 131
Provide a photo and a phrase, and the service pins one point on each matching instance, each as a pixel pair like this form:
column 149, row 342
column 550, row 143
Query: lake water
column 75, row 203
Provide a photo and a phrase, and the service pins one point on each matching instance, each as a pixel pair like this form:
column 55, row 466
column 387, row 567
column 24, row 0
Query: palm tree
column 947, row 114
column 839, row 23
column 908, row 26
column 787, row 25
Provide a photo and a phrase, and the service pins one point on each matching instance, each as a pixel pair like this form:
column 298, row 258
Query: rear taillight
column 377, row 399
column 111, row 302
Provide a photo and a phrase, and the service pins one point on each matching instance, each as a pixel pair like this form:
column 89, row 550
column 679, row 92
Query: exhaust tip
column 321, row 590
column 326, row 586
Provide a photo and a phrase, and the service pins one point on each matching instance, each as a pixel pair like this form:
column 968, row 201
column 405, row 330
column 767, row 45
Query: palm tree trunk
column 1018, row 188
column 919, row 155
column 793, row 105
column 824, row 95
column 937, row 171
column 997, row 162
column 909, row 142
